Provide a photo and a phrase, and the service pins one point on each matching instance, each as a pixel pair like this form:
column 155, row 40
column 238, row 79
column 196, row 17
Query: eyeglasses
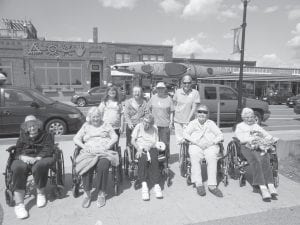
column 202, row 111
column 186, row 82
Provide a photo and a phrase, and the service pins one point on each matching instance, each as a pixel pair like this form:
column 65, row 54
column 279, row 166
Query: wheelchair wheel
column 126, row 161
column 274, row 164
column 116, row 189
column 60, row 169
column 276, row 181
column 188, row 180
column 232, row 159
column 242, row 180
column 120, row 170
column 9, row 198
column 75, row 190
column 183, row 159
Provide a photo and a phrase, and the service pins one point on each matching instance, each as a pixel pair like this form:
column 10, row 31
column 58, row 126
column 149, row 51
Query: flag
column 236, row 38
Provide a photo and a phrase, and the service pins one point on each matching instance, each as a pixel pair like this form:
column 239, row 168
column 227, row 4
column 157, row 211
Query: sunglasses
column 202, row 111
column 186, row 82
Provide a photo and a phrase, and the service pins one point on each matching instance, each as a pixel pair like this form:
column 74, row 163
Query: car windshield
column 41, row 97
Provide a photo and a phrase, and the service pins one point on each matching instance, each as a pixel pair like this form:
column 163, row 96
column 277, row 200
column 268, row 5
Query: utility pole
column 240, row 83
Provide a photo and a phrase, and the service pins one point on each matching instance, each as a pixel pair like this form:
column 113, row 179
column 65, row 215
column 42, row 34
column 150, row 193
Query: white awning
column 120, row 74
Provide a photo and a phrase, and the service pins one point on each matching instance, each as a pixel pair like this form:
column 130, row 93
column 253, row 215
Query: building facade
column 60, row 68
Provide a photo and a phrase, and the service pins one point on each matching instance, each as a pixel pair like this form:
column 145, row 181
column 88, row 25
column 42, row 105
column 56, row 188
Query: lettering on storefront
column 57, row 49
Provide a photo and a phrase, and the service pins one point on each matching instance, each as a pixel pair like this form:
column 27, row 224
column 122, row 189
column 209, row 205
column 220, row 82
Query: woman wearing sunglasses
column 204, row 136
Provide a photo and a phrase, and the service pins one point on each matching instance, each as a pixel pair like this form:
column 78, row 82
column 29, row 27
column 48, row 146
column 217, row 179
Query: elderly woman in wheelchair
column 96, row 140
column 145, row 140
column 204, row 137
column 33, row 153
column 254, row 144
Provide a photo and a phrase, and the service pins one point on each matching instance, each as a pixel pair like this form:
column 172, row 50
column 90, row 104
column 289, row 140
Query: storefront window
column 76, row 77
column 6, row 69
column 57, row 73
column 64, row 76
column 40, row 76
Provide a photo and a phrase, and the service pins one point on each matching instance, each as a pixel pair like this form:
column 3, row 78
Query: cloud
column 271, row 9
column 228, row 35
column 201, row 8
column 190, row 47
column 228, row 14
column 171, row 6
column 294, row 14
column 201, row 35
column 294, row 42
column 118, row 4
column 297, row 31
column 270, row 60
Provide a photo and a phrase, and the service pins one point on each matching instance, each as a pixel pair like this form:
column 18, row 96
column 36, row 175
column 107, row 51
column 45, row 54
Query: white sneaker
column 272, row 190
column 158, row 192
column 145, row 193
column 20, row 211
column 41, row 200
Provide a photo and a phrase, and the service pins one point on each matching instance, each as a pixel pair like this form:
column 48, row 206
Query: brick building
column 59, row 68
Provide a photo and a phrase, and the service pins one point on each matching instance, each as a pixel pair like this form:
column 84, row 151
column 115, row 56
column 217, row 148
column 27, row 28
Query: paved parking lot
column 181, row 204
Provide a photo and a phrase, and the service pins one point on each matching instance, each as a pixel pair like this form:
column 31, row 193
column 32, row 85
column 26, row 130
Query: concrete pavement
column 181, row 204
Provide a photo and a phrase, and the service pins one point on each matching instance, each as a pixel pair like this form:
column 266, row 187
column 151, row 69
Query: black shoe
column 201, row 190
column 216, row 191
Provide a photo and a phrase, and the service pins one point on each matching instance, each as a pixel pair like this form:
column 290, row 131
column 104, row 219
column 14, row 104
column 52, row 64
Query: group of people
column 147, row 124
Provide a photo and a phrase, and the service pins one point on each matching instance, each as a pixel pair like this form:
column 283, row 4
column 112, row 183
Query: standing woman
column 112, row 110
column 162, row 109
column 135, row 110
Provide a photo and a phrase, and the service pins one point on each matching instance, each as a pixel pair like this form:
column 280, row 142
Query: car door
column 228, row 104
column 209, row 98
column 15, row 107
column 95, row 95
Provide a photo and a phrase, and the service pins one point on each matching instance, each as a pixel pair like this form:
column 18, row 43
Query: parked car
column 291, row 101
column 277, row 98
column 211, row 94
column 91, row 97
column 18, row 102
column 297, row 107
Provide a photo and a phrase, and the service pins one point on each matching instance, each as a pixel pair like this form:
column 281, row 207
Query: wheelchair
column 237, row 163
column 185, row 164
column 56, row 175
column 116, row 172
column 131, row 166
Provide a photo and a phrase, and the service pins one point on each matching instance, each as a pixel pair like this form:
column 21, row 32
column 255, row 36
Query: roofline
column 213, row 60
column 137, row 44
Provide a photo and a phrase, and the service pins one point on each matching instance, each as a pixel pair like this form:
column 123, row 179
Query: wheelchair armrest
column 11, row 149
column 236, row 139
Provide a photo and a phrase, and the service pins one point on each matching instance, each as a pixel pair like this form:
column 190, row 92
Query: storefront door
column 95, row 79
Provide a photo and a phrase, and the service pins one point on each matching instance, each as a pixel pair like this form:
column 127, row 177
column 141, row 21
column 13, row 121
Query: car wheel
column 56, row 126
column 81, row 102
column 258, row 117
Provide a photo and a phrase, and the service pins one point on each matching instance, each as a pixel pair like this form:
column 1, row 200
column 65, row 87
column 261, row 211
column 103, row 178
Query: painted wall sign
column 56, row 49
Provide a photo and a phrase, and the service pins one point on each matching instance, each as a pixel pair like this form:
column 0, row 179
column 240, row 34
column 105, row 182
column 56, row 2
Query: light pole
column 240, row 83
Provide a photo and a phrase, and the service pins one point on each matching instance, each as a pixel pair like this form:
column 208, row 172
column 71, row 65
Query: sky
column 202, row 28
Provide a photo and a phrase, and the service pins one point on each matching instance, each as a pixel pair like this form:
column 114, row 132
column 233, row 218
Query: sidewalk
column 181, row 204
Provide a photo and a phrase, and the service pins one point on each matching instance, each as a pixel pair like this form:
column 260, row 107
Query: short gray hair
column 93, row 111
column 247, row 112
